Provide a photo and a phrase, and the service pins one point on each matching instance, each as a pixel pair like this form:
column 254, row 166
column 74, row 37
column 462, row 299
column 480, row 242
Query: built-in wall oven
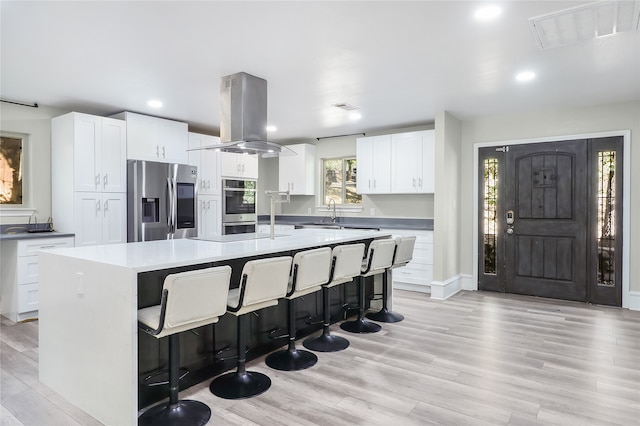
column 239, row 206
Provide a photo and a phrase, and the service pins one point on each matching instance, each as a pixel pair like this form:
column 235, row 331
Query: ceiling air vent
column 345, row 106
column 581, row 23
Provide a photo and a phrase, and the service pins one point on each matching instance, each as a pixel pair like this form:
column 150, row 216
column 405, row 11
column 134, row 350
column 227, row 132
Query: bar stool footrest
column 184, row 412
column 164, row 377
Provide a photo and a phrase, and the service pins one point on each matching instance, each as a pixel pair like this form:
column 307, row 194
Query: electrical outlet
column 372, row 211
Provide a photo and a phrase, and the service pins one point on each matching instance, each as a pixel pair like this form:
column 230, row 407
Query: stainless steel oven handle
column 238, row 190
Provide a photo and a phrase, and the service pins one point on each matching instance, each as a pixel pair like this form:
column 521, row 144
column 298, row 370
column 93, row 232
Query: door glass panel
column 606, row 217
column 490, row 217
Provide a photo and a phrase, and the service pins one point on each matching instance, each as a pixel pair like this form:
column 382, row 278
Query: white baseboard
column 632, row 301
column 468, row 283
column 442, row 290
column 420, row 288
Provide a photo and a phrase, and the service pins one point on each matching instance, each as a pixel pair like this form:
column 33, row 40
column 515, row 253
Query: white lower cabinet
column 20, row 275
column 418, row 273
column 209, row 215
column 100, row 218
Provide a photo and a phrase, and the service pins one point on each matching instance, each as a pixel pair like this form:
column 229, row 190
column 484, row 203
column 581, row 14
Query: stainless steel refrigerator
column 161, row 201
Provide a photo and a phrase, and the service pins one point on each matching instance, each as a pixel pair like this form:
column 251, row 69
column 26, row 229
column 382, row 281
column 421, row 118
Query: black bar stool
column 189, row 300
column 379, row 259
column 346, row 264
column 403, row 255
column 311, row 270
column 264, row 281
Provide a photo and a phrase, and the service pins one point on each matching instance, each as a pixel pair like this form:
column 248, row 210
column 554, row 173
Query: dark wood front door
column 537, row 202
column 546, row 194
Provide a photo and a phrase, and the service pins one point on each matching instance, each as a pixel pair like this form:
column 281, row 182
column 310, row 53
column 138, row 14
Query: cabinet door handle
column 374, row 184
column 98, row 206
column 414, row 182
column 163, row 152
column 106, row 206
column 208, row 205
column 291, row 186
column 242, row 167
column 106, row 180
column 420, row 182
column 369, row 183
column 157, row 151
column 97, row 180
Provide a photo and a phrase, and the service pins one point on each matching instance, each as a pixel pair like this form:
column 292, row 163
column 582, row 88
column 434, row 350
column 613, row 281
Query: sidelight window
column 490, row 217
column 606, row 217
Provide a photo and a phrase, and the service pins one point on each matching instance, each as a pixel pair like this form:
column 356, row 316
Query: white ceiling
column 399, row 62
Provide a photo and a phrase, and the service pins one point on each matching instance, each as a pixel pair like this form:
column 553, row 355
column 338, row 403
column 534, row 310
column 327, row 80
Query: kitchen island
column 89, row 343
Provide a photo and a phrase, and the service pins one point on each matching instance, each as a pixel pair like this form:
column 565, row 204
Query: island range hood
column 243, row 117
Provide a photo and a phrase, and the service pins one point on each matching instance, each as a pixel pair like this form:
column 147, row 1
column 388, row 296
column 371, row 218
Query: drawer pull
column 47, row 247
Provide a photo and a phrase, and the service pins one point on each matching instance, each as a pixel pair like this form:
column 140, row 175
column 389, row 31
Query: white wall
column 549, row 123
column 447, row 198
column 392, row 206
column 36, row 124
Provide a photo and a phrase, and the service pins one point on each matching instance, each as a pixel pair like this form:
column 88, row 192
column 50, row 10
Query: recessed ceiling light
column 487, row 13
column 355, row 116
column 271, row 128
column 154, row 103
column 525, row 76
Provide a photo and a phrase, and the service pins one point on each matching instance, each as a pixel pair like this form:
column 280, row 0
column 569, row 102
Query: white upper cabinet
column 296, row 173
column 155, row 139
column 242, row 166
column 88, row 178
column 374, row 164
column 207, row 162
column 99, row 151
column 412, row 162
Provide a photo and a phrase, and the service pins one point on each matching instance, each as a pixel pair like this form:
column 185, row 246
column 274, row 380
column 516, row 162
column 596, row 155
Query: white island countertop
column 155, row 255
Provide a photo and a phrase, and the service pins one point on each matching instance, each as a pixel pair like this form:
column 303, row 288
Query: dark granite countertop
column 27, row 232
column 353, row 222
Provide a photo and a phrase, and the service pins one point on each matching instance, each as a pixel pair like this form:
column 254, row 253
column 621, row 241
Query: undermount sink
column 319, row 225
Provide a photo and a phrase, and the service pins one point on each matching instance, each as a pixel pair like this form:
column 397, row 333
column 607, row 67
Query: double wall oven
column 239, row 206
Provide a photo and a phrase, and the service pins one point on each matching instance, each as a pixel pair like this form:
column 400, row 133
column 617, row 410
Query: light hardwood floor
column 477, row 358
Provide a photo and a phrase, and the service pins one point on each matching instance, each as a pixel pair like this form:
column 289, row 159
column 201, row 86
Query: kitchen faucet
column 333, row 213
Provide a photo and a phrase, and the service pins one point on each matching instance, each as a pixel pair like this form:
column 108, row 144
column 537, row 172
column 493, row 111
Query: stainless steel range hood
column 243, row 117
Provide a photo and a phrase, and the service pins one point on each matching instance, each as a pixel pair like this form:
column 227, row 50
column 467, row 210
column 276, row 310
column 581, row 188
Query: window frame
column 26, row 208
column 343, row 205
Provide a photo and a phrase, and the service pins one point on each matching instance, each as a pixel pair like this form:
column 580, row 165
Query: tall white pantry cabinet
column 89, row 178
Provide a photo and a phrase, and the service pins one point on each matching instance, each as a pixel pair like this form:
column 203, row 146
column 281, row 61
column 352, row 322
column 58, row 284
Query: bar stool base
column 240, row 385
column 326, row 343
column 385, row 315
column 294, row 360
column 184, row 412
column 360, row 326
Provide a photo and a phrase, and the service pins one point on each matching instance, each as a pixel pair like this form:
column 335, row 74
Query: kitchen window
column 11, row 170
column 340, row 176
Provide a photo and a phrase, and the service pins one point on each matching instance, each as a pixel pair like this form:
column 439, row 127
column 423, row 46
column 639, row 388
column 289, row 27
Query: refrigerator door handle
column 170, row 212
